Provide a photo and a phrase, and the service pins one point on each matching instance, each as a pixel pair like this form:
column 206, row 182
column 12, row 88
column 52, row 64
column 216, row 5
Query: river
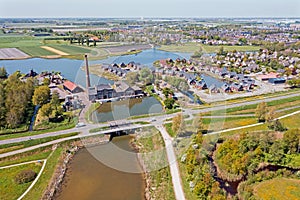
column 88, row 177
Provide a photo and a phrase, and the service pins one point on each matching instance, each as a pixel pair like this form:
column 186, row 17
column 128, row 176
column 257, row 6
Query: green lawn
column 9, row 189
column 278, row 189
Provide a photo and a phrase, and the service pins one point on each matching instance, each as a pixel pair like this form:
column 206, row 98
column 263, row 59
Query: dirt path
column 61, row 53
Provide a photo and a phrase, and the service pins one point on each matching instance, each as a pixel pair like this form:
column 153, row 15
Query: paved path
column 24, row 163
column 176, row 180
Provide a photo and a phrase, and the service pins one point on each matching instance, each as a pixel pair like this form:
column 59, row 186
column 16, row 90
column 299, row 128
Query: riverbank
column 151, row 154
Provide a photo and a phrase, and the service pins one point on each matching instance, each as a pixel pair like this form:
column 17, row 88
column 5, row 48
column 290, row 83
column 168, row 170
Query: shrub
column 25, row 176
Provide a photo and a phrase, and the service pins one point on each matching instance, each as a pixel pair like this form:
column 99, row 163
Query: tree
column 176, row 123
column 198, row 124
column 46, row 110
column 46, row 81
column 167, row 92
column 3, row 73
column 261, row 112
column 276, row 125
column 291, row 140
column 169, row 103
column 41, row 95
column 132, row 78
column 270, row 116
column 146, row 75
column 55, row 104
column 2, row 104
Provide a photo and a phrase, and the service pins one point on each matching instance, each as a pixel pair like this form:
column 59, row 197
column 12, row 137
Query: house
column 225, row 88
column 213, row 89
column 236, row 87
column 71, row 87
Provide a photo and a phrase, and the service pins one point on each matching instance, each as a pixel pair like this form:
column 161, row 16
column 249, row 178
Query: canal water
column 110, row 171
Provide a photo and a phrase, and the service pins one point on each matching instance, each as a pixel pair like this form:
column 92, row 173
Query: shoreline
column 145, row 174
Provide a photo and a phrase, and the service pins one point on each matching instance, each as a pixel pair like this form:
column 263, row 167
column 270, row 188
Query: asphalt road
column 85, row 129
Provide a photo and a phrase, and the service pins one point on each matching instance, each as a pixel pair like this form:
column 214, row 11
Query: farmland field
column 70, row 49
column 279, row 188
column 12, row 53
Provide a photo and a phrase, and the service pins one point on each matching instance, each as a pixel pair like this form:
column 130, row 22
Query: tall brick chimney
column 88, row 82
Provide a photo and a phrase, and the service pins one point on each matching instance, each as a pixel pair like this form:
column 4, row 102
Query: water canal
column 110, row 171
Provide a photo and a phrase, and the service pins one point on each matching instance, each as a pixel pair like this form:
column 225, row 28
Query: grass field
column 192, row 47
column 9, row 189
column 278, row 189
column 215, row 124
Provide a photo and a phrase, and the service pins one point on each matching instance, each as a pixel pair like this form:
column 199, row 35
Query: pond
column 126, row 108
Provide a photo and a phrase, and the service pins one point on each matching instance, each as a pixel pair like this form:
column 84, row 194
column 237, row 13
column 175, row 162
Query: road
column 172, row 159
column 159, row 120
column 84, row 130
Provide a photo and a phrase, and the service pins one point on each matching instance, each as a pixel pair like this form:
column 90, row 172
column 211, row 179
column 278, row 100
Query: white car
column 80, row 124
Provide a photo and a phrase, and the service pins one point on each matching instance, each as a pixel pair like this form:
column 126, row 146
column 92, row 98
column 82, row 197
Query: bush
column 25, row 176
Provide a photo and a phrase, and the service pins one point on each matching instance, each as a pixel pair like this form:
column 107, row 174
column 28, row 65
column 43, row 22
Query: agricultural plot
column 70, row 49
column 12, row 53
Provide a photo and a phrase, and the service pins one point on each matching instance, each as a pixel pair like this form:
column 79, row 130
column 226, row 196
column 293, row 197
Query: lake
column 70, row 69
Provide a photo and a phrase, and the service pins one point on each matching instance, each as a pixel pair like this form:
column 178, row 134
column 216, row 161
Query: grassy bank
column 20, row 145
column 151, row 144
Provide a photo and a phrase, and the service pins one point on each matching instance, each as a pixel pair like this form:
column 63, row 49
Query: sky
column 149, row 8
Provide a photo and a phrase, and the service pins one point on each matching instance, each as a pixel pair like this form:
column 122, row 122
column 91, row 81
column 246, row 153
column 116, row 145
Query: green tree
column 167, row 92
column 2, row 104
column 41, row 95
column 3, row 73
column 169, row 103
column 261, row 112
column 132, row 78
column 146, row 75
column 46, row 110
column 46, row 81
column 55, row 104
column 291, row 140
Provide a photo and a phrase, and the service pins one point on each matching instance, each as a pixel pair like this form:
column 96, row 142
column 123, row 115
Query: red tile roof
column 70, row 85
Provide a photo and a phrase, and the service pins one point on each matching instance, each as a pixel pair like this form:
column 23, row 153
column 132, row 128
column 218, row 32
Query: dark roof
column 103, row 87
